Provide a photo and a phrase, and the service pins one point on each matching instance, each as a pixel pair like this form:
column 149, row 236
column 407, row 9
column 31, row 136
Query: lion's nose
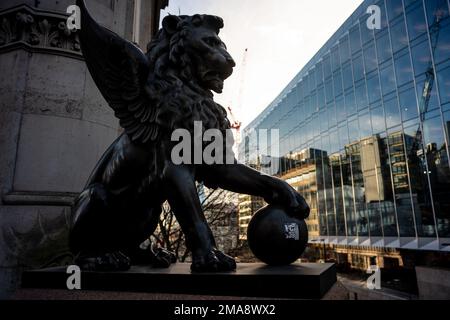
column 231, row 62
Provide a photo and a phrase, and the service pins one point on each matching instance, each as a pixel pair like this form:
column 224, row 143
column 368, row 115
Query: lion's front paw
column 205, row 262
column 293, row 202
column 299, row 208
column 226, row 263
column 213, row 261
column 163, row 258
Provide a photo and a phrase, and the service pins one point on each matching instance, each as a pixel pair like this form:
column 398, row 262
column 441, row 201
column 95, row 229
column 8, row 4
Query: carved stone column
column 54, row 124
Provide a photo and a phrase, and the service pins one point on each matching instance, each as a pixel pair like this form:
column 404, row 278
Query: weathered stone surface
column 51, row 147
column 30, row 237
column 95, row 108
column 55, row 86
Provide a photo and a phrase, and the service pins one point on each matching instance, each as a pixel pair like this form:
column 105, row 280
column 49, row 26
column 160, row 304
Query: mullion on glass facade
column 373, row 109
column 437, row 17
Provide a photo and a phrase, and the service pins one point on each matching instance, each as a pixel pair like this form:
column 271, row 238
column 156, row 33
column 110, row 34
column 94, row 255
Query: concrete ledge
column 38, row 198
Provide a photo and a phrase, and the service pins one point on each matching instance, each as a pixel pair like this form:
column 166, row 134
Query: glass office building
column 373, row 109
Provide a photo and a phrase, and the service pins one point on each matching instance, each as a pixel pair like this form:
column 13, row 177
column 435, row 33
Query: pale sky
column 281, row 37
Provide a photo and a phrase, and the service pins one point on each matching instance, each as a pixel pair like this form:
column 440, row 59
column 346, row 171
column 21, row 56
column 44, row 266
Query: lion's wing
column 120, row 70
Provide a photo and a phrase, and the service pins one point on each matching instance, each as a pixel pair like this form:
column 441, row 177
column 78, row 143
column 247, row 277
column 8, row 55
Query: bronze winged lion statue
column 152, row 94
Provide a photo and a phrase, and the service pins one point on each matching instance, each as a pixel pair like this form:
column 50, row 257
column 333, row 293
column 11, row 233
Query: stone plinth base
column 299, row 281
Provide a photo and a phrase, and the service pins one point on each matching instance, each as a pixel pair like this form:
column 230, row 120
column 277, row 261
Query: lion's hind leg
column 93, row 231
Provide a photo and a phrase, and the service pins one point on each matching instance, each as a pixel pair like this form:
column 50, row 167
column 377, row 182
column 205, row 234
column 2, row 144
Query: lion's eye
column 212, row 41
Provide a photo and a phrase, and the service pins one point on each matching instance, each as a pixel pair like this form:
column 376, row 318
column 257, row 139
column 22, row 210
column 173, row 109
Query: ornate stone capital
column 37, row 31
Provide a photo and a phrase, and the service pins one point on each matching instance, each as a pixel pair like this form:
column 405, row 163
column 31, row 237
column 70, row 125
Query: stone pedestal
column 298, row 281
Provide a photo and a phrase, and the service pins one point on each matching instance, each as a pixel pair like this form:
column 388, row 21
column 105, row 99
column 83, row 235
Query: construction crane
column 429, row 76
column 417, row 149
column 235, row 123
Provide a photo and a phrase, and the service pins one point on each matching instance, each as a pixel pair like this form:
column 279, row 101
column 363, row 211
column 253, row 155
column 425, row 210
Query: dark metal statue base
column 300, row 281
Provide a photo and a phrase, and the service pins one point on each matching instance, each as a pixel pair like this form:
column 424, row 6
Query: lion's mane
column 179, row 98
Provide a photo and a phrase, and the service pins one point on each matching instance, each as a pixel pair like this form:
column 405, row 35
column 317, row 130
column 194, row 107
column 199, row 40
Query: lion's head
column 189, row 48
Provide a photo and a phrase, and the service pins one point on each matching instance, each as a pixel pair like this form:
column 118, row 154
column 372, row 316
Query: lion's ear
column 170, row 24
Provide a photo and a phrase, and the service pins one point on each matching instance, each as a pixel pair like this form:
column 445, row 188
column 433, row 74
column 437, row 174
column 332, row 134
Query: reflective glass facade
column 374, row 105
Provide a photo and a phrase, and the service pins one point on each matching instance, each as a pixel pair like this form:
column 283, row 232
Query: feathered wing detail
column 120, row 70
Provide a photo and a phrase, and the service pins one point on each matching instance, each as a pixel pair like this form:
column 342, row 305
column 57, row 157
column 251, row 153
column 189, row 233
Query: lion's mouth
column 213, row 76
column 213, row 80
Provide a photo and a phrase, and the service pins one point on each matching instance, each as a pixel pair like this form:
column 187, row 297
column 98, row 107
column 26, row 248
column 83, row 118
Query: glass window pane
column 384, row 17
column 421, row 57
column 366, row 33
column 442, row 40
column 314, row 80
column 403, row 70
column 385, row 190
column 319, row 73
column 344, row 49
column 343, row 136
column 337, row 78
column 361, row 95
column 401, row 184
column 358, row 68
column 334, row 141
column 350, row 105
column 394, row 8
column 340, row 109
column 392, row 113
column 326, row 67
column 398, row 36
column 347, row 190
column 410, row 2
column 338, row 198
column 384, row 48
column 355, row 41
column 347, row 76
column 353, row 131
column 444, row 84
column 415, row 21
column 306, row 81
column 370, row 59
column 387, row 79
column 365, row 126
column 314, row 105
column 373, row 88
column 323, row 121
column 329, row 91
column 408, row 104
column 435, row 9
column 321, row 97
column 378, row 122
column 423, row 83
column 335, row 61
column 331, row 115
column 328, row 183
column 300, row 94
column 439, row 173
column 361, row 214
column 419, row 182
